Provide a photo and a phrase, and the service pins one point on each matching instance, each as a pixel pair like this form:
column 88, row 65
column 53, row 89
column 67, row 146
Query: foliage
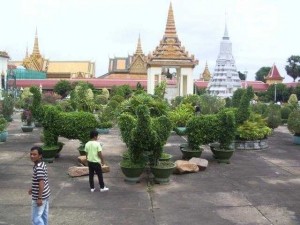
column 255, row 128
column 273, row 116
column 7, row 106
column 293, row 68
column 293, row 122
column 82, row 98
column 144, row 135
column 285, row 112
column 50, row 98
column 201, row 130
column 123, row 90
column 293, row 101
column 176, row 101
column 126, row 123
column 127, row 163
column 160, row 90
column 262, row 73
column 226, row 128
column 36, row 102
column 259, row 108
column 101, row 99
column 243, row 111
column 65, row 105
column 71, row 125
column 181, row 114
column 27, row 97
column 3, row 123
column 242, row 76
column 157, row 107
column 282, row 93
column 191, row 99
column 211, row 104
column 117, row 98
column 237, row 96
column 105, row 92
column 26, row 117
column 63, row 88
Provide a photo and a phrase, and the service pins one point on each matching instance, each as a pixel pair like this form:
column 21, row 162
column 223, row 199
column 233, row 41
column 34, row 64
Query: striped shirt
column 40, row 173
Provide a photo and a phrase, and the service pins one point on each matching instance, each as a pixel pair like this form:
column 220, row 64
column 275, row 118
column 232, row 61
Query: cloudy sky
column 263, row 32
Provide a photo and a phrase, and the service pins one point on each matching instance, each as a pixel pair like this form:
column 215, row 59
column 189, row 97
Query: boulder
column 183, row 166
column 201, row 163
column 78, row 171
column 82, row 160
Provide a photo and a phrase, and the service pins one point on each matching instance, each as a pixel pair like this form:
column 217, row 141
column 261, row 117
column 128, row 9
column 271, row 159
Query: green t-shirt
column 92, row 148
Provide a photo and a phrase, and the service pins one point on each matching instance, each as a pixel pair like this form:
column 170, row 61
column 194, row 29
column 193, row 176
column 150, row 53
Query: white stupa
column 225, row 79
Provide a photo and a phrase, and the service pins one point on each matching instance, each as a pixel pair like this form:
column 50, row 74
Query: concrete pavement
column 258, row 187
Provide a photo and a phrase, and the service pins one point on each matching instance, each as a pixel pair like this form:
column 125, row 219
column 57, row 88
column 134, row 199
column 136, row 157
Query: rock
column 82, row 160
column 183, row 166
column 201, row 163
column 78, row 171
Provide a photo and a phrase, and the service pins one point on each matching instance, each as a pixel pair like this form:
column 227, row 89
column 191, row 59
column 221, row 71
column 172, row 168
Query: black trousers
column 95, row 168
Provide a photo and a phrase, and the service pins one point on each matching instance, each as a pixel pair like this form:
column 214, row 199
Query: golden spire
column 139, row 50
column 170, row 27
column 206, row 74
column 36, row 50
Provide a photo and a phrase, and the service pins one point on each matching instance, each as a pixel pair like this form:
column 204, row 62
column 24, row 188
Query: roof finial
column 139, row 50
column 170, row 27
column 226, row 36
column 26, row 55
column 36, row 50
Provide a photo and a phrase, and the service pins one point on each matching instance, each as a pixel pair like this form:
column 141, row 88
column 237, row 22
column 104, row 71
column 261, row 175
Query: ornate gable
column 138, row 65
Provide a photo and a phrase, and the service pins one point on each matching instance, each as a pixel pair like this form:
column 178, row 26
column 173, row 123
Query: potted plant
column 252, row 134
column 7, row 107
column 26, row 118
column 293, row 125
column 180, row 116
column 225, row 132
column 145, row 137
column 3, row 126
column 200, row 131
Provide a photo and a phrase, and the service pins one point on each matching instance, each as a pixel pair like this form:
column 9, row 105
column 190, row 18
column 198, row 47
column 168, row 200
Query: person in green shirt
column 95, row 160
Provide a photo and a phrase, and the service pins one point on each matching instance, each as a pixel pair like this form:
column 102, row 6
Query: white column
column 188, row 72
column 151, row 72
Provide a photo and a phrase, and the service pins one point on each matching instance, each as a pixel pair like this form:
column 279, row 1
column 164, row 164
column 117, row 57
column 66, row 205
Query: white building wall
column 3, row 69
column 151, row 72
column 188, row 72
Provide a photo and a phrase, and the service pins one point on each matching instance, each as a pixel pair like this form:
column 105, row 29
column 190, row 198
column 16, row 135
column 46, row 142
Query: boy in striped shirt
column 39, row 190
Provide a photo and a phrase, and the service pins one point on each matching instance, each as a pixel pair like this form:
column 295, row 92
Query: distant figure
column 39, row 190
column 197, row 110
column 95, row 159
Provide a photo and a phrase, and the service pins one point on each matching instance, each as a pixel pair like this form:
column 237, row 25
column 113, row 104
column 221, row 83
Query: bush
column 181, row 114
column 274, row 116
column 255, row 128
column 293, row 122
column 3, row 123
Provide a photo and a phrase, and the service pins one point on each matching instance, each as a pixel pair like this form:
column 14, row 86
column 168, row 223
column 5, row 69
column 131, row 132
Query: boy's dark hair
column 39, row 149
column 93, row 133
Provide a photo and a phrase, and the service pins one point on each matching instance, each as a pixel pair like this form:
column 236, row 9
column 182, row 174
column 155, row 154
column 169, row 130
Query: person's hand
column 39, row 202
column 30, row 191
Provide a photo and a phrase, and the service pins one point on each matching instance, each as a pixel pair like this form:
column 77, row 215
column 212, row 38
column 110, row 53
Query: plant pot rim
column 129, row 167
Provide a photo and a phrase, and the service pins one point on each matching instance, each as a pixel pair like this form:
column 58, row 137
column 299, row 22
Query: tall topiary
column 35, row 107
column 7, row 107
column 243, row 111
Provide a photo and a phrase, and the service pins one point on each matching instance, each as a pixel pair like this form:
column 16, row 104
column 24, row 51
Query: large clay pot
column 132, row 175
column 162, row 172
column 3, row 136
column 188, row 153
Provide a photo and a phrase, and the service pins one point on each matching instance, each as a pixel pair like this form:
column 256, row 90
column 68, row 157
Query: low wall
column 251, row 145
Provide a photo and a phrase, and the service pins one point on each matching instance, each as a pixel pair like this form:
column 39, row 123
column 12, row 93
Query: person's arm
column 101, row 157
column 41, row 189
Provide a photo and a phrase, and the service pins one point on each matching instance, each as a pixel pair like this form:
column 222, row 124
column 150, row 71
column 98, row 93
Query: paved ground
column 258, row 187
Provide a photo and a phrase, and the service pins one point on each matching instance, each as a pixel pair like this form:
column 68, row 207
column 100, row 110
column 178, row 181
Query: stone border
column 251, row 145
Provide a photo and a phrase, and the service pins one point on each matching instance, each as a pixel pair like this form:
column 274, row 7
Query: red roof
column 257, row 86
column 273, row 74
column 98, row 83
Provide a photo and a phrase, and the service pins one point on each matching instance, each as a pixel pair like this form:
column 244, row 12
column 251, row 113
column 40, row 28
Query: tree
column 242, row 75
column 63, row 87
column 293, row 68
column 262, row 73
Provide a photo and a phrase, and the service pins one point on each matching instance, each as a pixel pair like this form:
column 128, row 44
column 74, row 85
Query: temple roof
column 4, row 54
column 274, row 74
column 170, row 48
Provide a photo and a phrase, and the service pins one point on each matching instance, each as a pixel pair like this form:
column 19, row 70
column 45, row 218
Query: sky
column 262, row 32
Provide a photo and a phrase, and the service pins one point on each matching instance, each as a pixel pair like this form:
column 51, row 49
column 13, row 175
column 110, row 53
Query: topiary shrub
column 181, row 114
column 293, row 122
column 273, row 116
column 285, row 112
